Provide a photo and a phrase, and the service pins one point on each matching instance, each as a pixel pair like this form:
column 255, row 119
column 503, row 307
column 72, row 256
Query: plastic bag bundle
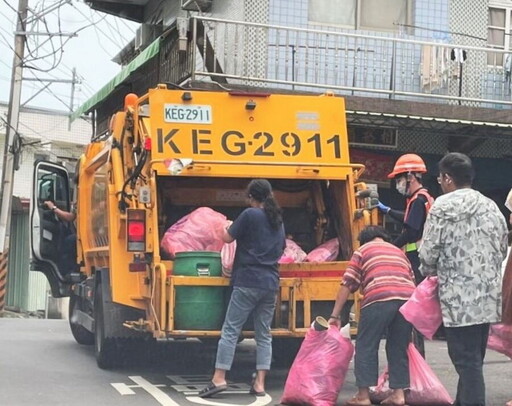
column 200, row 230
column 328, row 251
column 500, row 339
column 227, row 257
column 318, row 371
column 292, row 253
column 423, row 309
column 426, row 389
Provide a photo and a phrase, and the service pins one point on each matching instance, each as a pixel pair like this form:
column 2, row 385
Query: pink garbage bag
column 328, row 251
column 426, row 389
column 500, row 339
column 318, row 371
column 294, row 252
column 285, row 260
column 200, row 230
column 423, row 309
column 227, row 257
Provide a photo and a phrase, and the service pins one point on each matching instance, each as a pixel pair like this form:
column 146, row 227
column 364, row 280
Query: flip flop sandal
column 211, row 390
column 254, row 392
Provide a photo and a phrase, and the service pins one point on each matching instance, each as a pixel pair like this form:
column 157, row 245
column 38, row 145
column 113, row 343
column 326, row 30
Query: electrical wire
column 56, row 50
column 11, row 7
column 41, row 135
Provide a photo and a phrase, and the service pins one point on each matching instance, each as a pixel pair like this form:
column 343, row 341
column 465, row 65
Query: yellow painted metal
column 236, row 136
column 240, row 168
column 292, row 290
column 220, row 127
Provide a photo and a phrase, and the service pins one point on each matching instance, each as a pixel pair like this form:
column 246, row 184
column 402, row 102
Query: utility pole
column 13, row 114
column 72, row 98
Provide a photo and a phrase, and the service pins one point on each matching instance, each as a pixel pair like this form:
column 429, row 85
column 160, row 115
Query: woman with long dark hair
column 260, row 239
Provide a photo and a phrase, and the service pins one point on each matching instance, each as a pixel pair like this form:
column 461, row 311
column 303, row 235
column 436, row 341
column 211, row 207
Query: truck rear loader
column 170, row 152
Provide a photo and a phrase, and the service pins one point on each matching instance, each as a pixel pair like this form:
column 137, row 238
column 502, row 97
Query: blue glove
column 383, row 208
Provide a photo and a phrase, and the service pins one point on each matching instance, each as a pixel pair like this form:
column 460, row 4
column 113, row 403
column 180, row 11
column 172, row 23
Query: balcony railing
column 351, row 64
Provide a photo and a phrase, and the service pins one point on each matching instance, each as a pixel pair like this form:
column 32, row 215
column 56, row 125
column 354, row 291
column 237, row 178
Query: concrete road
column 41, row 364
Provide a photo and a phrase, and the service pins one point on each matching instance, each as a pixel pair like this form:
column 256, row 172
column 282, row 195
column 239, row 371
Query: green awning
column 103, row 93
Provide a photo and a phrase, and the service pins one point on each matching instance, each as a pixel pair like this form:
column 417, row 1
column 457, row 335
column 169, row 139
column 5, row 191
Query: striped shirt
column 382, row 271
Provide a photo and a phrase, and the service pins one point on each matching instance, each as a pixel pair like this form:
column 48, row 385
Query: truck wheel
column 284, row 350
column 80, row 333
column 104, row 347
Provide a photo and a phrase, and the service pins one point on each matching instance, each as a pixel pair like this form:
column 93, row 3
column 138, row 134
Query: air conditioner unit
column 196, row 5
column 143, row 36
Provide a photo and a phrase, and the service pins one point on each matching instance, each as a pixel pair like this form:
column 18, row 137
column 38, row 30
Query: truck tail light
column 136, row 230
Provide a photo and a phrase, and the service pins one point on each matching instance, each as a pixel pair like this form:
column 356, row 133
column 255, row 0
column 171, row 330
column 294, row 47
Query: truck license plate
column 193, row 114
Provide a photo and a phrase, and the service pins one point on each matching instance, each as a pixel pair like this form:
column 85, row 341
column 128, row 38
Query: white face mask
column 401, row 186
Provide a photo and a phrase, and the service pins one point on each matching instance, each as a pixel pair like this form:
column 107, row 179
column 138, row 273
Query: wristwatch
column 54, row 208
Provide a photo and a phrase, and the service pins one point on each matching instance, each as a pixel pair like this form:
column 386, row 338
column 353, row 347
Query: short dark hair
column 459, row 167
column 370, row 232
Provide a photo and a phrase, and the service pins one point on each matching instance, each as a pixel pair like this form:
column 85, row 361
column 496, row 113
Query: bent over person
column 260, row 242
column 385, row 276
column 464, row 244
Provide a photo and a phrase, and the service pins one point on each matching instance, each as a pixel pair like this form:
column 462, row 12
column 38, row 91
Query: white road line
column 260, row 401
column 123, row 389
column 160, row 396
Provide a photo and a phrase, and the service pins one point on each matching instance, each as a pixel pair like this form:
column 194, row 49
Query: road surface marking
column 260, row 401
column 160, row 396
column 190, row 385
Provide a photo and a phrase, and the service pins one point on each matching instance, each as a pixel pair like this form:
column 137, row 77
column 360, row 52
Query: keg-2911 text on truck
column 168, row 153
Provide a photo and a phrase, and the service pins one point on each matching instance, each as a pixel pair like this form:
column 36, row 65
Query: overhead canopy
column 103, row 93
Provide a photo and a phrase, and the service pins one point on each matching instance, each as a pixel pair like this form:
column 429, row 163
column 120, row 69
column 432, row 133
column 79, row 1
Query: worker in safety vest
column 407, row 175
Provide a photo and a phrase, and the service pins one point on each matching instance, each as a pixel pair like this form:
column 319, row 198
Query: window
column 376, row 15
column 498, row 33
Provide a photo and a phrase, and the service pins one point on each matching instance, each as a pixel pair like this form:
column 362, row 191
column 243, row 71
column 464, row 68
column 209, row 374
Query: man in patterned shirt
column 464, row 244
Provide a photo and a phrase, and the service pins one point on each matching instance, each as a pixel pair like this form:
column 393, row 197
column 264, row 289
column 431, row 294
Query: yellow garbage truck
column 166, row 154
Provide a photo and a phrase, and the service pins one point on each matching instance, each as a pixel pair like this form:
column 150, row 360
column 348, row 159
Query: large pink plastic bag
column 423, row 309
column 293, row 251
column 500, row 339
column 318, row 371
column 200, row 230
column 328, row 251
column 426, row 389
column 227, row 257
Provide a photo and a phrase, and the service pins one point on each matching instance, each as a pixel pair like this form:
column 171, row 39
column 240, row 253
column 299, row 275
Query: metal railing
column 351, row 64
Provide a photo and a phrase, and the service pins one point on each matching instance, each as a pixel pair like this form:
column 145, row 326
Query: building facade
column 423, row 76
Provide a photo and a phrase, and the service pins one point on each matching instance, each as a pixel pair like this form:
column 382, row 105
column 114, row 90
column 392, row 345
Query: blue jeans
column 262, row 303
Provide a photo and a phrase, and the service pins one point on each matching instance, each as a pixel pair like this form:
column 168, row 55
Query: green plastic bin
column 198, row 308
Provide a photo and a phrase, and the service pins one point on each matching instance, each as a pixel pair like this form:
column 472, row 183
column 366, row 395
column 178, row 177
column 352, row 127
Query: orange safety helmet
column 408, row 163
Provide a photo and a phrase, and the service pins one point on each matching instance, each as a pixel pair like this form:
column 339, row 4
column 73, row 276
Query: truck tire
column 105, row 348
column 80, row 333
column 284, row 350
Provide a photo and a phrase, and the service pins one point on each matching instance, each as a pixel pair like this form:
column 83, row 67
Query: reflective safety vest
column 413, row 246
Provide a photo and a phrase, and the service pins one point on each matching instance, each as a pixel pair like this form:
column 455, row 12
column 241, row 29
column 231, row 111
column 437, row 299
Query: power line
column 42, row 136
column 11, row 7
column 47, row 53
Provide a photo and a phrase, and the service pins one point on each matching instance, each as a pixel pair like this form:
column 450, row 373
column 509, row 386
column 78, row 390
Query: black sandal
column 211, row 390
column 253, row 391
